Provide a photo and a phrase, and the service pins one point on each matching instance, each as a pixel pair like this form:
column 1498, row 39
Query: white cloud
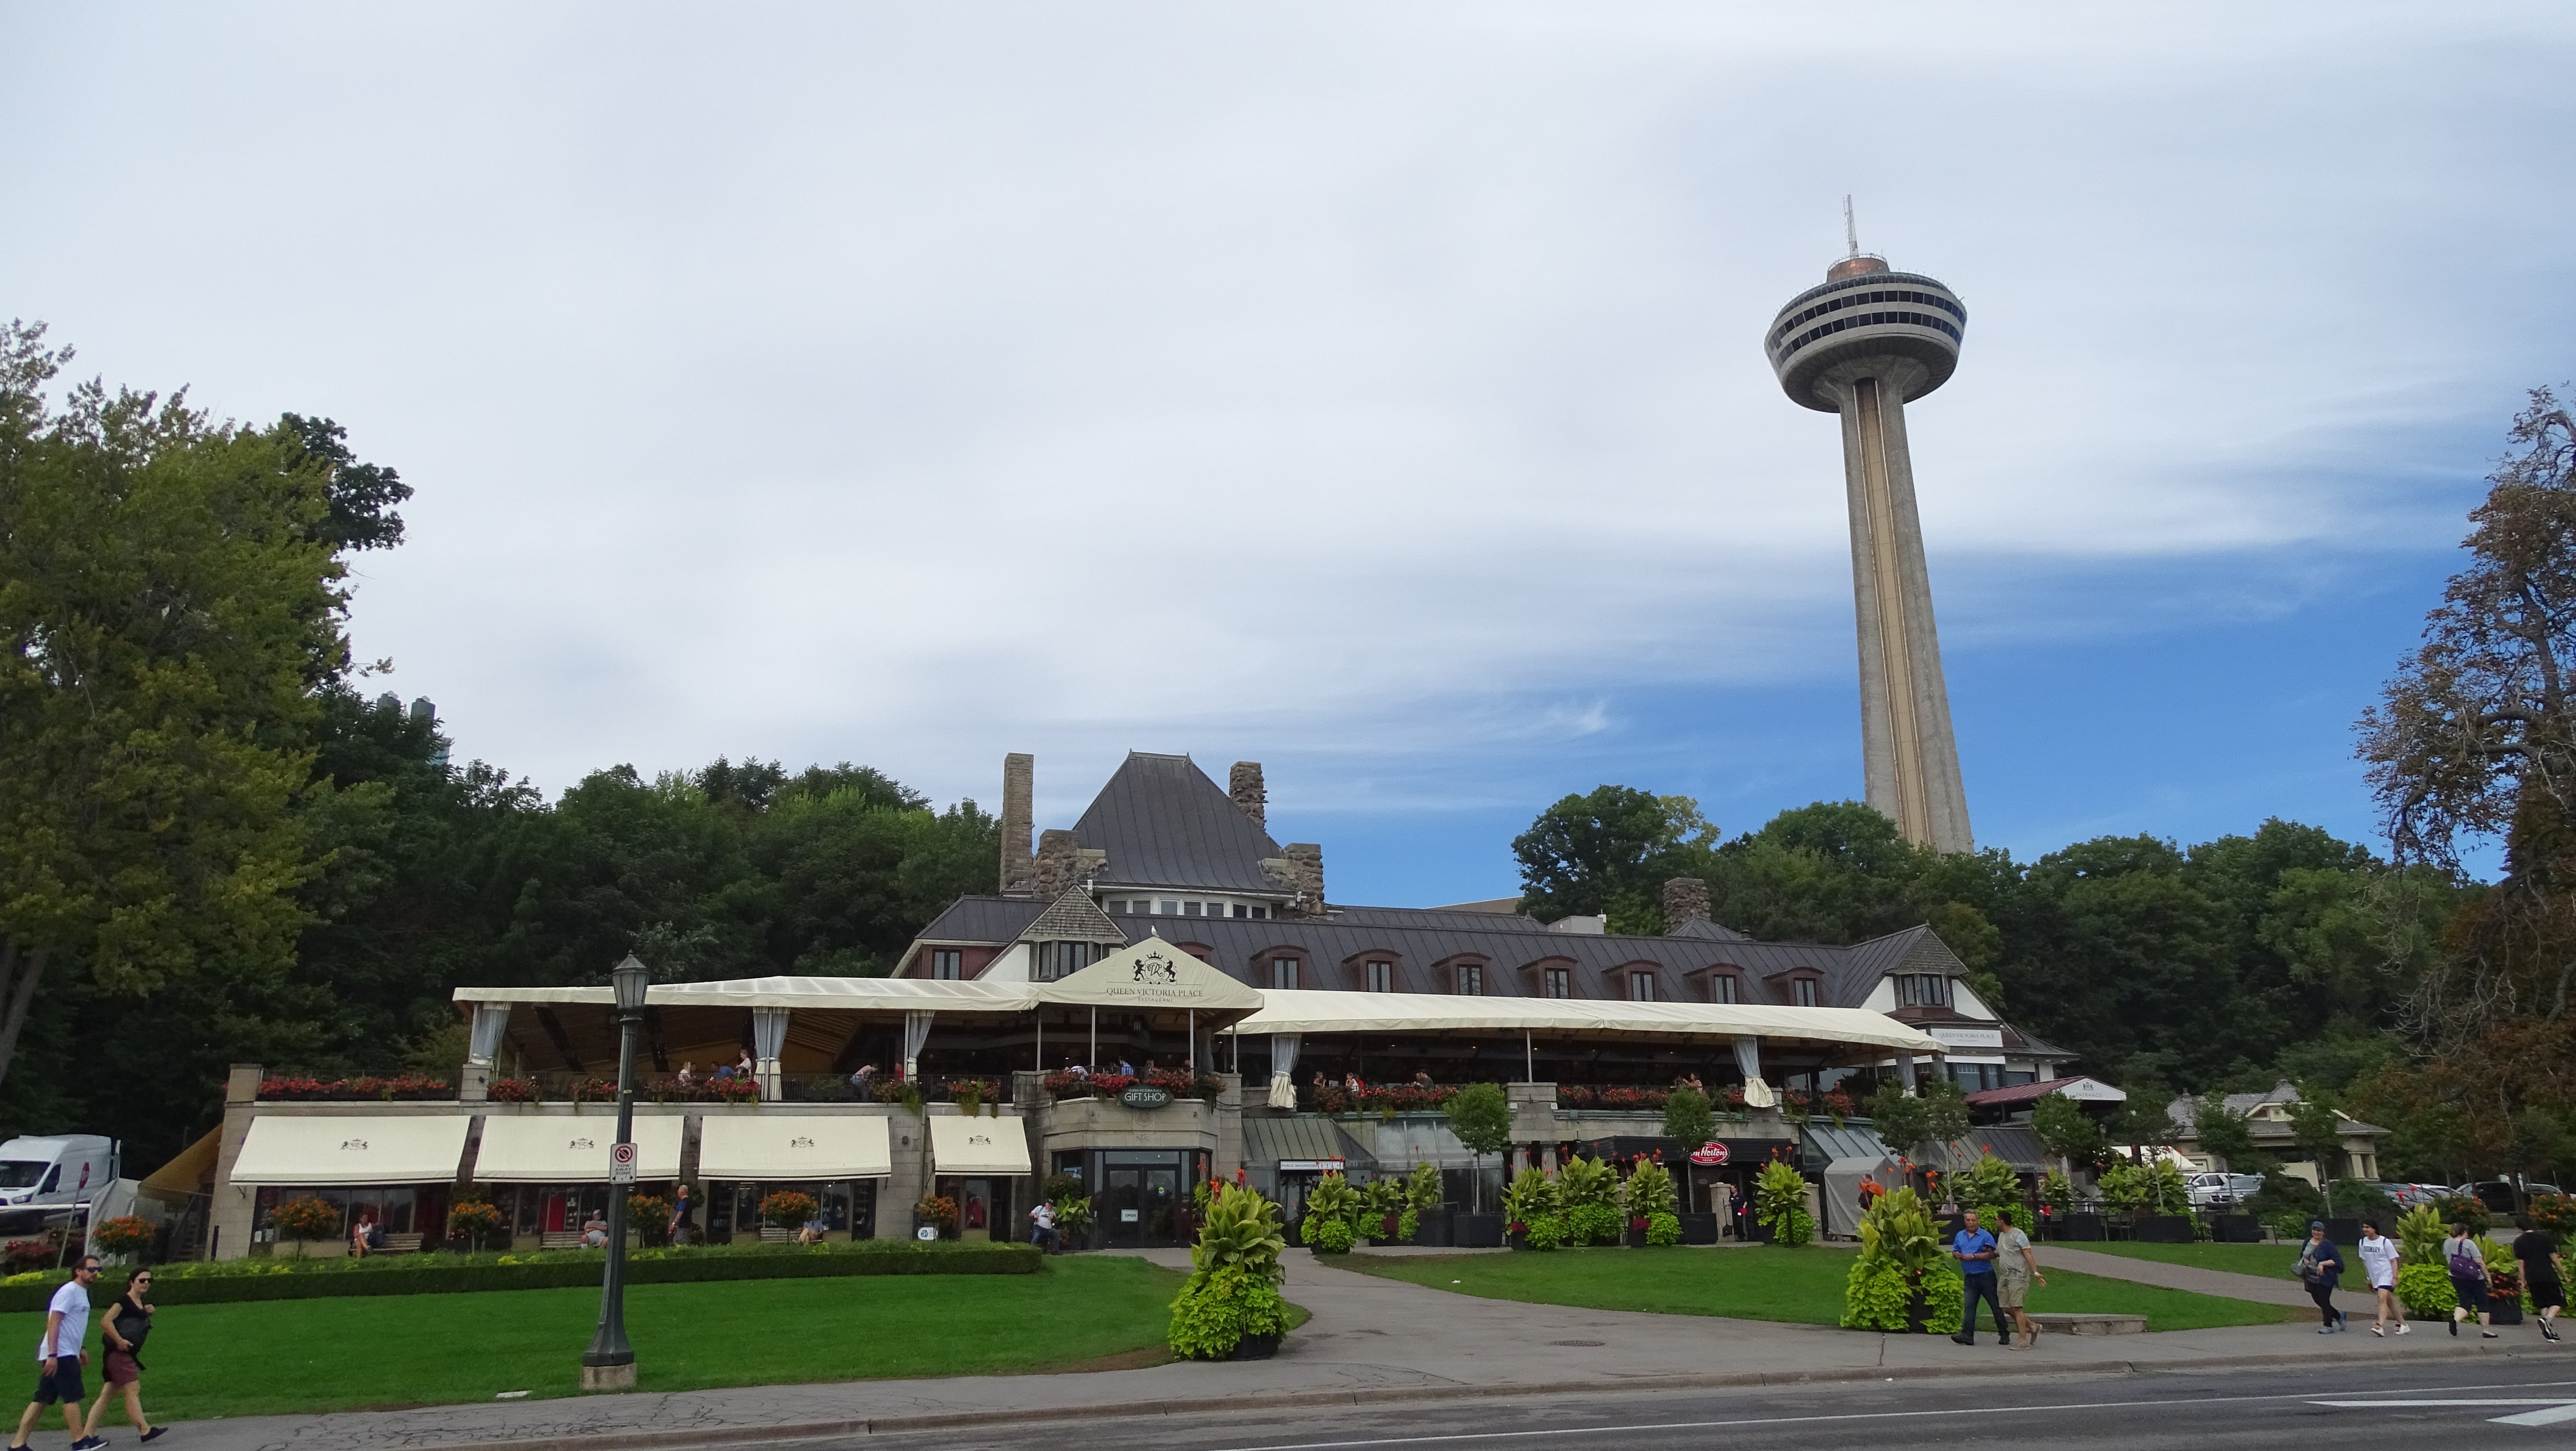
column 915, row 385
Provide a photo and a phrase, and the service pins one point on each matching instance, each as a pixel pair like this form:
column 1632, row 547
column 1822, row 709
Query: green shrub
column 1593, row 1224
column 1991, row 1181
column 1381, row 1201
column 1215, row 1311
column 1333, row 1209
column 1545, row 1231
column 1945, row 1301
column 2425, row 1291
column 2555, row 1213
column 1587, row 1181
column 1326, row 1236
column 1663, row 1229
column 1875, row 1296
column 1531, row 1195
column 1650, row 1190
column 1899, row 1250
column 1780, row 1203
column 1233, row 1286
column 2057, row 1193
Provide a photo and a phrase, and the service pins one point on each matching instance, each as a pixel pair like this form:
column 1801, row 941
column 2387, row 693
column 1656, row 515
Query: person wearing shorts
column 2379, row 1256
column 2538, row 1251
column 2468, row 1266
column 2015, row 1268
column 59, row 1358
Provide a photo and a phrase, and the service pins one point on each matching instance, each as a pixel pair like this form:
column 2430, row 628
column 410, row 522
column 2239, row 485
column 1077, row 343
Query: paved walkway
column 1370, row 1339
column 2283, row 1291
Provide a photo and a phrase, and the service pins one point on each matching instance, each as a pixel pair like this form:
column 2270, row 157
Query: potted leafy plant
column 1587, row 1192
column 1422, row 1222
column 127, row 1234
column 1901, row 1281
column 1530, row 1211
column 649, row 1215
column 788, row 1210
column 936, row 1211
column 475, row 1222
column 1382, row 1210
column 1231, row 1308
column 1331, row 1206
column 1780, row 1205
column 1651, row 1220
column 1481, row 1117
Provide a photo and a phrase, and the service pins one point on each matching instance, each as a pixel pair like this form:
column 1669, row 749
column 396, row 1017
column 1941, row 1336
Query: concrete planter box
column 2236, row 1229
column 1476, row 1231
column 2080, row 1227
column 2162, row 1229
column 1434, row 1230
column 1699, row 1229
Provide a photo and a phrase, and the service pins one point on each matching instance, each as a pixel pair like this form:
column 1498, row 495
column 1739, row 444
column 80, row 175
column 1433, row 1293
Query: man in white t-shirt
column 1042, row 1226
column 2379, row 1265
column 59, row 1359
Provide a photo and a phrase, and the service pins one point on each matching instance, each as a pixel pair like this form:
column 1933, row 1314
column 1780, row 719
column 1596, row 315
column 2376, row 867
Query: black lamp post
column 609, row 1364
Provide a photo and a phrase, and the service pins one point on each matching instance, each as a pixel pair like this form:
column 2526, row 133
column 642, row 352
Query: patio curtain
column 1748, row 1060
column 768, row 1041
column 491, row 1020
column 1283, row 1070
column 916, row 1032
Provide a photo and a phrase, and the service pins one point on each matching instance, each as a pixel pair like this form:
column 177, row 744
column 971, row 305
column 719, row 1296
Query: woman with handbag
column 2469, row 1284
column 124, row 1324
column 2321, row 1267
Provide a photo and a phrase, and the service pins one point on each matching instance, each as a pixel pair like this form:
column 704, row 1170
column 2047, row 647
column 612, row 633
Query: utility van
column 64, row 1169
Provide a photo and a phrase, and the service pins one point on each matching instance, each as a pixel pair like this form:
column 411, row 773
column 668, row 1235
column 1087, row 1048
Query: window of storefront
column 1139, row 1197
column 849, row 1207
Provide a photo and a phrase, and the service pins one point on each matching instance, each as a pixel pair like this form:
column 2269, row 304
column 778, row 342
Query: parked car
column 2209, row 1191
column 2495, row 1194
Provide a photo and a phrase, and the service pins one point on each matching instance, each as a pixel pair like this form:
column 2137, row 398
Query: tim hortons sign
column 1711, row 1152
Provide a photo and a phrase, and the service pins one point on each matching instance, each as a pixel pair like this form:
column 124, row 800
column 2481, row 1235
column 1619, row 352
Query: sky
column 1372, row 391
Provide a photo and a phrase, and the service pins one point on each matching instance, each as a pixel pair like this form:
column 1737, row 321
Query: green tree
column 2066, row 1130
column 1903, row 1122
column 1481, row 1117
column 2316, row 1130
column 1610, row 852
column 169, row 601
column 1689, row 1121
column 2228, row 1136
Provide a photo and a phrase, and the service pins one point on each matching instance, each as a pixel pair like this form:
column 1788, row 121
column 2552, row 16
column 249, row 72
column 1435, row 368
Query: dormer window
column 1922, row 990
column 1641, row 987
column 1283, row 973
column 1381, row 977
column 1722, row 987
column 1063, row 959
column 1559, row 982
column 946, row 963
column 1802, row 992
column 1471, row 979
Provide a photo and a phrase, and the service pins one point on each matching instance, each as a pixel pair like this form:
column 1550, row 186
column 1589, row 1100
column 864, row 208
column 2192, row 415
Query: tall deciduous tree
column 1610, row 852
column 169, row 599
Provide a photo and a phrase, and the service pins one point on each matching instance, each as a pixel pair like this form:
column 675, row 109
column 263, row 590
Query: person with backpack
column 2321, row 1268
column 2537, row 1248
column 2469, row 1283
column 2379, row 1266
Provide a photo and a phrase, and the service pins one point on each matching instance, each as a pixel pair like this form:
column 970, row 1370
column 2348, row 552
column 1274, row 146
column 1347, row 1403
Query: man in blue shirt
column 1975, row 1251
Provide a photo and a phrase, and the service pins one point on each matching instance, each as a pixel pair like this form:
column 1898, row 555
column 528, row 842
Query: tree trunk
column 18, row 979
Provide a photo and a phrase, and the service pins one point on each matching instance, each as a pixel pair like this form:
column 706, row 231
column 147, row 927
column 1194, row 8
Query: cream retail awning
column 1311, row 1011
column 776, row 1147
column 319, row 1149
column 1153, row 974
column 961, row 1145
column 880, row 994
column 568, row 1148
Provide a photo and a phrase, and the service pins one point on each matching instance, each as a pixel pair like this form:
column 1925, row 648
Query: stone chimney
column 1060, row 864
column 1019, row 776
column 1251, row 798
column 1306, row 874
column 1685, row 901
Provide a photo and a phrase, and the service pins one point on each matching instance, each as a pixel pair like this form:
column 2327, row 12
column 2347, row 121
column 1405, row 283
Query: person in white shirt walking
column 2379, row 1266
column 59, row 1359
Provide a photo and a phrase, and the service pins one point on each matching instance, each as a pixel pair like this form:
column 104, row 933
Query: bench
column 399, row 1244
column 560, row 1239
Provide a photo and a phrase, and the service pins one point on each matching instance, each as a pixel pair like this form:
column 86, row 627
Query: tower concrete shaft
column 1910, row 758
column 1863, row 345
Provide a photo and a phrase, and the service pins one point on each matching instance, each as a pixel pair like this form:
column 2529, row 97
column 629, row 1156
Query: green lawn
column 2268, row 1261
column 1802, row 1285
column 336, row 1354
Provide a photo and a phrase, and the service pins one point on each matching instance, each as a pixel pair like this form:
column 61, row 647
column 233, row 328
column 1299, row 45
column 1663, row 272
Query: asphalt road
column 2528, row 1401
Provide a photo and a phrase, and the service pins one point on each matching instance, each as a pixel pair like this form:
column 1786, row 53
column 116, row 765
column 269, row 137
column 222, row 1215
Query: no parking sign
column 621, row 1163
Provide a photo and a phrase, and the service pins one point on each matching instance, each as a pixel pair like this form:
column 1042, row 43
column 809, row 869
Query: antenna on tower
column 1851, row 229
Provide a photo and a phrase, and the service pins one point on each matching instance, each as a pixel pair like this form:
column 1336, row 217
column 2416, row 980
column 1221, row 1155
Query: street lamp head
column 628, row 980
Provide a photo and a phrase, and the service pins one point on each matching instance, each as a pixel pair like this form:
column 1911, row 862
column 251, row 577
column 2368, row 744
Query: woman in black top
column 122, row 1326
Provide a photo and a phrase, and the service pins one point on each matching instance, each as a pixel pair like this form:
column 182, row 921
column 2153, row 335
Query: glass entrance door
column 1122, row 1207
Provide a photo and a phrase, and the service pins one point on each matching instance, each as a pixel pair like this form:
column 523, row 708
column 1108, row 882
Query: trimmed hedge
column 442, row 1274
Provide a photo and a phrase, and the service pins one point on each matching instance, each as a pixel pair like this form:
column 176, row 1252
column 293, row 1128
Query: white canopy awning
column 322, row 1149
column 961, row 1145
column 566, row 1148
column 1153, row 974
column 774, row 1147
column 1310, row 1011
column 883, row 994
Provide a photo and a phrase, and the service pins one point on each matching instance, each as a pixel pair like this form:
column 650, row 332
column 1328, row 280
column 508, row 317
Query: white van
column 61, row 1169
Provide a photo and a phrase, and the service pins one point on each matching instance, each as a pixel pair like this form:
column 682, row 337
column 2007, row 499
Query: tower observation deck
column 1863, row 345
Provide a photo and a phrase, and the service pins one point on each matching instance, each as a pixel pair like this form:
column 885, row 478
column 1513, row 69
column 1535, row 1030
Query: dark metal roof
column 1074, row 917
column 1437, row 917
column 994, row 920
column 1165, row 824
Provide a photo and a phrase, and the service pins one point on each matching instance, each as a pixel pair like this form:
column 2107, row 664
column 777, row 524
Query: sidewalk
column 1370, row 1339
column 2283, row 1291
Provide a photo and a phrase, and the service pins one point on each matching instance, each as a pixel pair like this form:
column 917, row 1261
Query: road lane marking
column 2309, row 1396
column 2559, row 1409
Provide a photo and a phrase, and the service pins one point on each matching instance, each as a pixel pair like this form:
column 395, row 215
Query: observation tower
column 1863, row 345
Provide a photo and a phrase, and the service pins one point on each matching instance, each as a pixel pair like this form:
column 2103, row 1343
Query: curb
column 1140, row 1410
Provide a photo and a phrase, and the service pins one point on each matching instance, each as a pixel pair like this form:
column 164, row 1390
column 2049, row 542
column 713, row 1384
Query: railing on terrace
column 1380, row 1098
column 387, row 1086
column 933, row 1088
column 1068, row 1084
